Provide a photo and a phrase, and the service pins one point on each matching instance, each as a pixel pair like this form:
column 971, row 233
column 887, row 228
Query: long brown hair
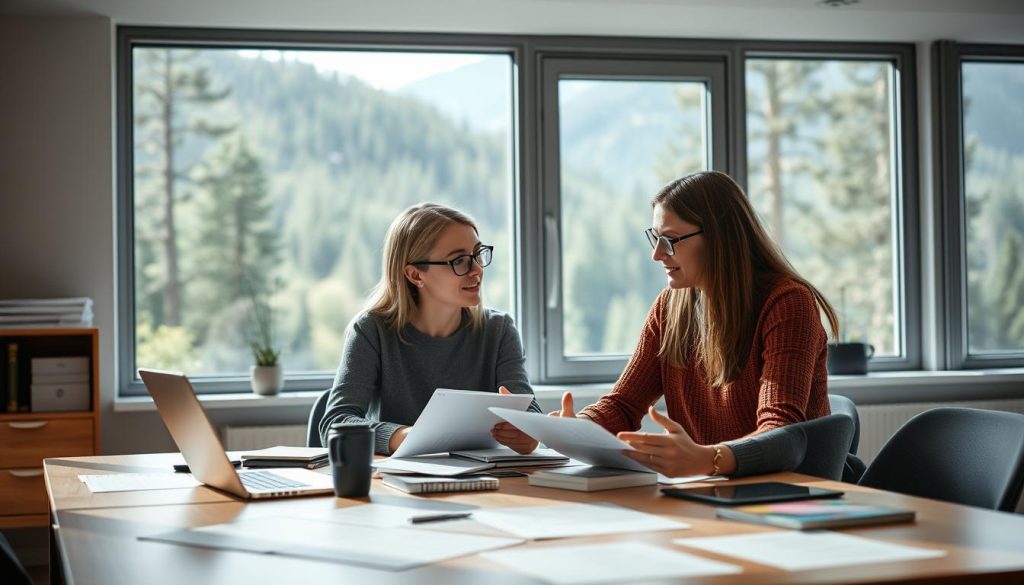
column 412, row 236
column 741, row 261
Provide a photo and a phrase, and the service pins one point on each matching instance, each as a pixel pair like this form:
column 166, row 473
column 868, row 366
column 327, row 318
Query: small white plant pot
column 266, row 380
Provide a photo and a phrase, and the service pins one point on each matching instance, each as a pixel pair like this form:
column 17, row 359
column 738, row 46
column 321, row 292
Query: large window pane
column 276, row 174
column 822, row 175
column 993, row 131
column 620, row 142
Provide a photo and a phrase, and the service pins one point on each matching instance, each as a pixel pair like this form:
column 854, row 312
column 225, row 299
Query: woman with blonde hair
column 734, row 344
column 425, row 328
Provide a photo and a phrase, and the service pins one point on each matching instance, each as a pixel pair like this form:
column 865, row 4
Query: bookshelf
column 27, row 437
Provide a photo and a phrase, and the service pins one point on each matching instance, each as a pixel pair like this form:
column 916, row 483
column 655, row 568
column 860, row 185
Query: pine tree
column 168, row 83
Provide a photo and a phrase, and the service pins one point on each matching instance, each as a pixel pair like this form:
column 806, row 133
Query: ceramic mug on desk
column 350, row 452
column 849, row 358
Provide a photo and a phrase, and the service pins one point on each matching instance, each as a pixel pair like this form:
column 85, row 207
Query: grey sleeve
column 357, row 384
column 510, row 371
column 780, row 449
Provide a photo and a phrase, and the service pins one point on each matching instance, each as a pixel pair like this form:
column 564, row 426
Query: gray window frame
column 533, row 198
column 948, row 58
column 553, row 68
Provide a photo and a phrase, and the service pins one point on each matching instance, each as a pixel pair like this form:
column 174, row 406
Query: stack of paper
column 308, row 457
column 69, row 312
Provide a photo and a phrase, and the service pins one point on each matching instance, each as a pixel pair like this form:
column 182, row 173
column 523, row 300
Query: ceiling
column 906, row 20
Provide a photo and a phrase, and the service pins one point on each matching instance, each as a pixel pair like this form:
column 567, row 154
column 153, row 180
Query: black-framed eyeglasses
column 668, row 245
column 461, row 265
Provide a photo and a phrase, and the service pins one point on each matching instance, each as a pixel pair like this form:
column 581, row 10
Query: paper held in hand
column 456, row 420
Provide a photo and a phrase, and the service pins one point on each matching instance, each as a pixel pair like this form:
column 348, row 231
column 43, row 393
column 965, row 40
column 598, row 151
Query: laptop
column 197, row 439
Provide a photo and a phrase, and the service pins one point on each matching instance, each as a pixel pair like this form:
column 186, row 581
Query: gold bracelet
column 716, row 460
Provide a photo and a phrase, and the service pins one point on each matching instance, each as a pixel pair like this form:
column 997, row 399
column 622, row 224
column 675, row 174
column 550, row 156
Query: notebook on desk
column 197, row 439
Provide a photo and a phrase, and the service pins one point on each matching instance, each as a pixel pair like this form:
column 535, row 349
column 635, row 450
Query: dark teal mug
column 849, row 358
column 350, row 452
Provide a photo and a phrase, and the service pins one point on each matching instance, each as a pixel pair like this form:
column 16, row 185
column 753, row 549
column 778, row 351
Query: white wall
column 57, row 214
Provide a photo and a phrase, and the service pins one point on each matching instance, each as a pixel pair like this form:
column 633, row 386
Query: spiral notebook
column 431, row 485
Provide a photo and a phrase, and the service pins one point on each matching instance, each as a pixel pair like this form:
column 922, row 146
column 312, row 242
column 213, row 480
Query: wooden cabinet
column 26, row 438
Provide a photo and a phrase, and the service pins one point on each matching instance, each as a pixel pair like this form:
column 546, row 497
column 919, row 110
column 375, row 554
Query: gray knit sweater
column 387, row 382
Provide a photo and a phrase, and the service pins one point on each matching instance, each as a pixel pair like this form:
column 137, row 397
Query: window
column 984, row 152
column 824, row 173
column 615, row 132
column 271, row 174
column 267, row 165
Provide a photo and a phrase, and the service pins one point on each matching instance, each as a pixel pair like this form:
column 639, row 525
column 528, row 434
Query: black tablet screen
column 751, row 493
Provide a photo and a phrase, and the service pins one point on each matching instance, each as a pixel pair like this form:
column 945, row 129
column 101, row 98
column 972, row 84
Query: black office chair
column 11, row 570
column 828, row 440
column 315, row 416
column 961, row 455
column 853, row 467
column 843, row 405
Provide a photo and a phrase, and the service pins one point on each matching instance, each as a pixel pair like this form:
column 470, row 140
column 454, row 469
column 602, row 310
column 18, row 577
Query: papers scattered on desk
column 394, row 549
column 431, row 465
column 799, row 551
column 565, row 520
column 130, row 482
column 666, row 480
column 382, row 515
column 625, row 562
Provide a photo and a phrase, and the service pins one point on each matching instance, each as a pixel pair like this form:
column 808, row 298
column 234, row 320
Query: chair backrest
column 828, row 441
column 842, row 405
column 316, row 414
column 961, row 455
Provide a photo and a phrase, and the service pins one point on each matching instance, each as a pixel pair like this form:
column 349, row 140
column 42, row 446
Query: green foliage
column 165, row 348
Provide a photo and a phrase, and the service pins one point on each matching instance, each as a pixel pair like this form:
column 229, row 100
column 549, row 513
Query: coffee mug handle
column 871, row 351
column 339, row 452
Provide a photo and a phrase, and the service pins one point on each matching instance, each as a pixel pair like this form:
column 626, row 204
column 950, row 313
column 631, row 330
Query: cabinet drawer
column 27, row 443
column 22, row 491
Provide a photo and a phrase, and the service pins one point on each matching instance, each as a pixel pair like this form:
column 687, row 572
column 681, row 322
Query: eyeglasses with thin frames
column 668, row 245
column 461, row 265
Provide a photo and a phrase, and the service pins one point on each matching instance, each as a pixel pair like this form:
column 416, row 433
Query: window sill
column 873, row 388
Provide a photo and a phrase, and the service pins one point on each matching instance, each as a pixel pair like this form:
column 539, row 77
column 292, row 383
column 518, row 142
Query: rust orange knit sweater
column 784, row 381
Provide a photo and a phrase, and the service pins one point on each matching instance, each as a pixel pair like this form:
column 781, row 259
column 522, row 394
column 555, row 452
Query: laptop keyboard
column 265, row 480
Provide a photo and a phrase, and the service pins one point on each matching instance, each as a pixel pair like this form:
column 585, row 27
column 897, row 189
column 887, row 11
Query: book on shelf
column 430, row 485
column 588, row 478
column 12, row 376
column 505, row 457
column 815, row 514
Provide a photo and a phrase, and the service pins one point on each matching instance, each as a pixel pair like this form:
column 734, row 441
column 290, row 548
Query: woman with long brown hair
column 735, row 343
column 425, row 327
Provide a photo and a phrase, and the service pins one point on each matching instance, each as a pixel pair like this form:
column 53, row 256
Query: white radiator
column 879, row 422
column 251, row 438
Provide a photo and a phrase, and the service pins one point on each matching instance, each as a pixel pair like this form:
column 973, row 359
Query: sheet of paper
column 378, row 515
column 393, row 549
column 666, row 480
column 578, row 438
column 131, row 482
column 431, row 465
column 458, row 419
column 565, row 520
column 800, row 551
column 621, row 562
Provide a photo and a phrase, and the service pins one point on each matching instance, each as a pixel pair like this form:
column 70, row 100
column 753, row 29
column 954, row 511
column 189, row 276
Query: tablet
column 751, row 493
column 458, row 420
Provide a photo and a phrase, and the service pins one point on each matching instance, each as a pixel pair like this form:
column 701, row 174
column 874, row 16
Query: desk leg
column 56, row 563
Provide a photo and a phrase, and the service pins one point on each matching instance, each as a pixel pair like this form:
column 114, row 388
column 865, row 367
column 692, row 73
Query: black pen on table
column 438, row 517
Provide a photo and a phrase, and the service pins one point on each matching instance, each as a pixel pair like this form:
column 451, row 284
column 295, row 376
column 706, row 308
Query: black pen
column 437, row 517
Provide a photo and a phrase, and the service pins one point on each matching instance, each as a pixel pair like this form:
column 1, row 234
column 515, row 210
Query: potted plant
column 266, row 375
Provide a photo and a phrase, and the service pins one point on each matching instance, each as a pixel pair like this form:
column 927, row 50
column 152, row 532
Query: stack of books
column 308, row 457
column 70, row 312
column 586, row 478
